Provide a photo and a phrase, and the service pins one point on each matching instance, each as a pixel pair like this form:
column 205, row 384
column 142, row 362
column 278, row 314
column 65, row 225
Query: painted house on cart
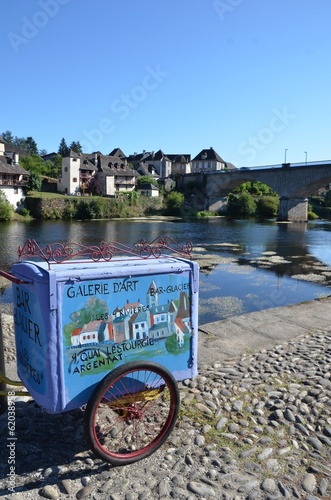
column 138, row 321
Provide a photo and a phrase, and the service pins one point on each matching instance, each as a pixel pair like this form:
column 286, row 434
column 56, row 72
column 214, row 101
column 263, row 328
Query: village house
column 148, row 189
column 139, row 325
column 208, row 161
column 105, row 175
column 13, row 177
column 160, row 165
column 150, row 163
column 91, row 333
column 181, row 164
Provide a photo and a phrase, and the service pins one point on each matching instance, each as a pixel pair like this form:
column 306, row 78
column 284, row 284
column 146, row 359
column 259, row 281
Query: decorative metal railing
column 57, row 253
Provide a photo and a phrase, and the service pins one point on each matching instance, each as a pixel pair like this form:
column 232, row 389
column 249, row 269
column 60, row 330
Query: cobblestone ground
column 258, row 427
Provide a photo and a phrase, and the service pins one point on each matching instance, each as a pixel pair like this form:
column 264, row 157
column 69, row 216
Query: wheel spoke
column 132, row 412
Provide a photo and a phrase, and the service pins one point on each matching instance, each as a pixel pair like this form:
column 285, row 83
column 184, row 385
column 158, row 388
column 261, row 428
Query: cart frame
column 134, row 408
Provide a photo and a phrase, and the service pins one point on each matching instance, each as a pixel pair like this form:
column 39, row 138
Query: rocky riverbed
column 255, row 427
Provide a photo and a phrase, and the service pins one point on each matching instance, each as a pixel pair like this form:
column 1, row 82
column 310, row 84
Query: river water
column 245, row 265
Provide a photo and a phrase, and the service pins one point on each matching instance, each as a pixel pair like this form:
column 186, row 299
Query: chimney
column 16, row 157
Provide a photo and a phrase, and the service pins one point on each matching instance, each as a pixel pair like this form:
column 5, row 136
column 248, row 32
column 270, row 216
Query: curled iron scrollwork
column 57, row 253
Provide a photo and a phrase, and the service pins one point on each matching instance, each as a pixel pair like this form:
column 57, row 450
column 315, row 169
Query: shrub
column 6, row 209
column 34, row 182
column 241, row 205
column 174, row 201
column 70, row 210
column 25, row 212
column 267, row 206
column 312, row 216
column 205, row 213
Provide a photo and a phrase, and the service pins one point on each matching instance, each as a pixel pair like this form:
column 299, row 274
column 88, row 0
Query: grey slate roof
column 73, row 154
column 117, row 152
column 147, row 170
column 179, row 158
column 7, row 166
column 87, row 164
column 208, row 155
column 159, row 155
column 113, row 165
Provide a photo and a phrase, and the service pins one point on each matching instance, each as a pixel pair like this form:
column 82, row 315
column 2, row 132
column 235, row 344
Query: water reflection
column 245, row 265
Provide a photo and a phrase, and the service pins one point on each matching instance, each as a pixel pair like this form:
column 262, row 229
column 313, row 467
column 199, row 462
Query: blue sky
column 249, row 78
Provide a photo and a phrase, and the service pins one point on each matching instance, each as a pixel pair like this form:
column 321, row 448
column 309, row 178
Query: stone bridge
column 294, row 183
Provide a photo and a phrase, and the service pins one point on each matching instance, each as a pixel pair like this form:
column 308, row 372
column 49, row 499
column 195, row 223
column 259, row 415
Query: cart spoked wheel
column 131, row 412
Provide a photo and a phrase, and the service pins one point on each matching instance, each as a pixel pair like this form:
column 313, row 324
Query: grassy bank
column 57, row 206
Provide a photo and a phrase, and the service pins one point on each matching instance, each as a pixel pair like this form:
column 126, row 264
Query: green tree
column 55, row 166
column 63, row 148
column 241, row 205
column 36, row 164
column 34, row 182
column 174, row 201
column 30, row 146
column 267, row 206
column 6, row 209
column 256, row 188
column 147, row 179
column 8, row 137
column 75, row 146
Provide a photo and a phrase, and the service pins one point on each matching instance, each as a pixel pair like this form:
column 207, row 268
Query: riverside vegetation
column 251, row 199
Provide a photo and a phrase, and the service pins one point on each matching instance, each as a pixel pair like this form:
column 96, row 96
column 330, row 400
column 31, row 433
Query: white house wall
column 13, row 195
column 70, row 171
column 110, row 186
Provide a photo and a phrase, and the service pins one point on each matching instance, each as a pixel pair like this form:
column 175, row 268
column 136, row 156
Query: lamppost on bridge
column 306, row 156
column 285, row 156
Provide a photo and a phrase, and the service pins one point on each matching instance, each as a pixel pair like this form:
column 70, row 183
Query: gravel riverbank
column 255, row 427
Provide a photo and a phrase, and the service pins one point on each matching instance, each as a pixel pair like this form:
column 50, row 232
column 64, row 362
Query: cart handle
column 12, row 278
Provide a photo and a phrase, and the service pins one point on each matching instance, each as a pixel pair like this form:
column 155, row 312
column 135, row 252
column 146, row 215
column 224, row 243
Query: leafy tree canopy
column 146, row 179
column 31, row 146
column 267, row 206
column 241, row 205
column 35, row 163
column 174, row 201
column 8, row 137
column 26, row 144
column 64, row 149
column 75, row 146
column 256, row 188
column 34, row 182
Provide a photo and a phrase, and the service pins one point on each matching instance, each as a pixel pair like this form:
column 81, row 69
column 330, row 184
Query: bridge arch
column 292, row 184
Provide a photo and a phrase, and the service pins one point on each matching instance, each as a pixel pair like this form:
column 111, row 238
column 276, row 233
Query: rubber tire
column 126, row 457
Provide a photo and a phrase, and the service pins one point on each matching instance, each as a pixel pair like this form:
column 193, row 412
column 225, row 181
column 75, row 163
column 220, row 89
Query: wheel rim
column 134, row 414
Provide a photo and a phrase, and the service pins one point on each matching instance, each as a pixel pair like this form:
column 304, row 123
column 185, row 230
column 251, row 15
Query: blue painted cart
column 110, row 327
